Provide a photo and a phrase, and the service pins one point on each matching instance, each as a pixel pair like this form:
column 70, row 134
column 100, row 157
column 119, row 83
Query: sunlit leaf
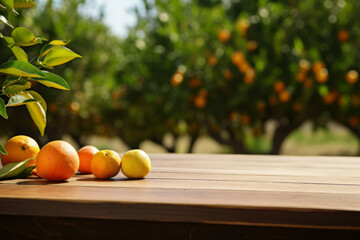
column 24, row 37
column 59, row 42
column 24, row 4
column 15, row 88
column 9, row 41
column 18, row 100
column 3, row 150
column 21, row 69
column 37, row 112
column 19, row 53
column 5, row 21
column 58, row 56
column 53, row 80
column 3, row 109
column 37, row 96
column 13, row 170
column 9, row 4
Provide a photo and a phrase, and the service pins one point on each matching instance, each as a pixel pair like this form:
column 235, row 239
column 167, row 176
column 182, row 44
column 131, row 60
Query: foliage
column 228, row 69
column 20, row 71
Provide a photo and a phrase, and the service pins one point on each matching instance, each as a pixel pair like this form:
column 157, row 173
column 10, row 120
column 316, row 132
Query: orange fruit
column 322, row 75
column 177, row 78
column 224, row 35
column 343, row 36
column 57, row 161
column 304, row 65
column 284, row 96
column 352, row 76
column 237, row 58
column 20, row 148
column 195, row 82
column 212, row 60
column 251, row 46
column 279, row 86
column 260, row 106
column 200, row 101
column 297, row 107
column 227, row 74
column 353, row 121
column 245, row 119
column 85, row 155
column 105, row 164
column 317, row 66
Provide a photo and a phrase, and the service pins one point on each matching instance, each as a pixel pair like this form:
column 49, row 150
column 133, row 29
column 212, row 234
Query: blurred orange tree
column 246, row 73
column 228, row 69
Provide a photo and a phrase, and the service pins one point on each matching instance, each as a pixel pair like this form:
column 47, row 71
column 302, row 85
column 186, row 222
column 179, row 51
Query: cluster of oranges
column 244, row 67
column 59, row 161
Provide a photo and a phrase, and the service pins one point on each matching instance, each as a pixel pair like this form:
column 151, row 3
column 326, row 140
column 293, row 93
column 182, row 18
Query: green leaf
column 9, row 41
column 53, row 80
column 3, row 109
column 3, row 150
column 10, row 80
column 19, row 53
column 58, row 56
column 13, row 170
column 15, row 88
column 24, row 37
column 45, row 50
column 9, row 4
column 26, row 172
column 21, row 69
column 37, row 112
column 5, row 21
column 18, row 100
column 24, row 4
column 38, row 97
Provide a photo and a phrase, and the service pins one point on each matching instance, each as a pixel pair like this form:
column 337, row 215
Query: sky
column 117, row 15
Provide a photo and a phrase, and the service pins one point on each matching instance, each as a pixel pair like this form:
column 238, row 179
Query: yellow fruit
column 20, row 148
column 105, row 164
column 135, row 164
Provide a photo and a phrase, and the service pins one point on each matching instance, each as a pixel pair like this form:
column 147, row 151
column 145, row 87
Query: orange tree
column 229, row 68
column 23, row 68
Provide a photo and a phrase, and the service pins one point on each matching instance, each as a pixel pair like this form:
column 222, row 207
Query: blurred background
column 202, row 76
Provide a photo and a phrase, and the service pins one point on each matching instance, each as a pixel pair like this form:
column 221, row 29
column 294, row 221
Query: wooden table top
column 289, row 191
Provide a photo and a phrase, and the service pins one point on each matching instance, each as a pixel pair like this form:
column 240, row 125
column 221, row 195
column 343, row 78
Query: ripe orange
column 322, row 75
column 177, row 78
column 105, row 164
column 20, row 148
column 343, row 36
column 237, row 58
column 85, row 155
column 279, row 86
column 251, row 46
column 57, row 161
column 284, row 96
column 352, row 76
column 224, row 35
column 212, row 60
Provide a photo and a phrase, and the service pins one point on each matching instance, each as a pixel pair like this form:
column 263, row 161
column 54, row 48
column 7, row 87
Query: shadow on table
column 114, row 179
column 40, row 182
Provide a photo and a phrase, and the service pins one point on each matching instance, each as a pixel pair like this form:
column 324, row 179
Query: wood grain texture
column 287, row 191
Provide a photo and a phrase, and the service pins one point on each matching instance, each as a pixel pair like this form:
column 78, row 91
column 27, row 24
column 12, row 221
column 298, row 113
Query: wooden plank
column 226, row 189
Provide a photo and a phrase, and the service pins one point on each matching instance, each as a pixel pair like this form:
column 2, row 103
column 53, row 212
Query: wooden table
column 193, row 197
